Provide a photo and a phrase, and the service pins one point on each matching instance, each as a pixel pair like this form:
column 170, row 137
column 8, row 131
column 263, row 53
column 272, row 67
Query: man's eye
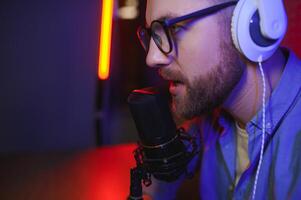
column 157, row 38
column 174, row 29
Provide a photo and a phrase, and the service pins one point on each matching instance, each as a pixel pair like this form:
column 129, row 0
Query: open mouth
column 176, row 83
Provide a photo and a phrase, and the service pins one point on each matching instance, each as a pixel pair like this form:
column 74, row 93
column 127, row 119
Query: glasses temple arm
column 200, row 13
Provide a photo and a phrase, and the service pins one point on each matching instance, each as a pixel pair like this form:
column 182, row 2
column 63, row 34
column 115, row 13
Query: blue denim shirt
column 280, row 173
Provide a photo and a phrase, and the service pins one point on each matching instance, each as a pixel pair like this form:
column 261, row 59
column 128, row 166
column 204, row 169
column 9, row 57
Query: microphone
column 163, row 151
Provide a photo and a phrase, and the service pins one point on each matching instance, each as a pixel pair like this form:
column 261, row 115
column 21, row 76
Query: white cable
column 263, row 129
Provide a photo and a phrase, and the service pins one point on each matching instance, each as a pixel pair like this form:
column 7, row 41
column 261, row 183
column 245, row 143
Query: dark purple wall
column 48, row 64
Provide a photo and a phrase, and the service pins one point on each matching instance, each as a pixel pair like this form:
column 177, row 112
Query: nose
column 156, row 58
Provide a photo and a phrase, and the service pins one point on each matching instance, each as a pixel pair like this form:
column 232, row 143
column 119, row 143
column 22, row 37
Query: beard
column 205, row 93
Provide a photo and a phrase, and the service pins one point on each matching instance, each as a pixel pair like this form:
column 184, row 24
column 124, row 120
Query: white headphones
column 257, row 27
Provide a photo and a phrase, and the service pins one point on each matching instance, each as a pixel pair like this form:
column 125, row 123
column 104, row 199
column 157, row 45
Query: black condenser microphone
column 163, row 151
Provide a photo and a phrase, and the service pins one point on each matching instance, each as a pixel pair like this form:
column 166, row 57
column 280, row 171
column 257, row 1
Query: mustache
column 172, row 75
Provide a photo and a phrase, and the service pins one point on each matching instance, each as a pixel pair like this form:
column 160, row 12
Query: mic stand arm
column 141, row 173
column 136, row 186
column 138, row 174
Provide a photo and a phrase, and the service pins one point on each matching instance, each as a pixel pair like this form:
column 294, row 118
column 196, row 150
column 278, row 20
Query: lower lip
column 175, row 88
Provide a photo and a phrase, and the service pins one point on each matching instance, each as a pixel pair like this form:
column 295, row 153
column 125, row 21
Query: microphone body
column 163, row 151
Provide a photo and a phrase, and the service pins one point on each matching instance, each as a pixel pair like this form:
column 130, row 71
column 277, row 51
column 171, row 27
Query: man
column 209, row 78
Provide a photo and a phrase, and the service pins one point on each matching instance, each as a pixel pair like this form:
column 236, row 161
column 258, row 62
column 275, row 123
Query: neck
column 246, row 98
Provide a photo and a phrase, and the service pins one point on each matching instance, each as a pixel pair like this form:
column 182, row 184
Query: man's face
column 203, row 67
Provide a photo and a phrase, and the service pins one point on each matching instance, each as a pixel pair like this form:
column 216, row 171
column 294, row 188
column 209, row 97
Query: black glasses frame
column 170, row 22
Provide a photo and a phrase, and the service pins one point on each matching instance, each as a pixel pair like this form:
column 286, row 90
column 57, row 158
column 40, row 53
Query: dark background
column 50, row 96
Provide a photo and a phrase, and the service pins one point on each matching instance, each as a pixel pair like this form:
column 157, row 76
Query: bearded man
column 249, row 102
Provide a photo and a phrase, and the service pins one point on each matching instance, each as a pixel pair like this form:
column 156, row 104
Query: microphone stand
column 136, row 187
column 138, row 174
column 142, row 173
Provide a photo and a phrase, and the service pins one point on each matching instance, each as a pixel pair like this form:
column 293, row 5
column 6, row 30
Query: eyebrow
column 168, row 15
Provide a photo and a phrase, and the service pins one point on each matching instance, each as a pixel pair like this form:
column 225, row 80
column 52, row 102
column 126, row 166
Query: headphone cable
column 263, row 127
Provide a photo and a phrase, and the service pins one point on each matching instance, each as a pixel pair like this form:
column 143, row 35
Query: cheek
column 200, row 50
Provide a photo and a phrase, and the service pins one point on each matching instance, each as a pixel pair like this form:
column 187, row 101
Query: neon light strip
column 105, row 39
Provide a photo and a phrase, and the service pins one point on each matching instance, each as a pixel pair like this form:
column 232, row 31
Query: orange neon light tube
column 105, row 39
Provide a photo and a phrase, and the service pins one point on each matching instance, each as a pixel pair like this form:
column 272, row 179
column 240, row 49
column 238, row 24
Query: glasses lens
column 160, row 37
column 144, row 37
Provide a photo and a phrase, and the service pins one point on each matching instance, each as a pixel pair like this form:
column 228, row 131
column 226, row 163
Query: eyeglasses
column 160, row 31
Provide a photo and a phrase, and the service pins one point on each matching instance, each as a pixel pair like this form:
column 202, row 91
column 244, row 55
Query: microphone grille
column 150, row 110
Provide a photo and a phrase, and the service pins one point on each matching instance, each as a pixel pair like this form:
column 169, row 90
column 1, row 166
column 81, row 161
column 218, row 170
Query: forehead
column 157, row 9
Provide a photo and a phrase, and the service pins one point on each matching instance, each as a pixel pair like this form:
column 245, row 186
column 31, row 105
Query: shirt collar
column 282, row 98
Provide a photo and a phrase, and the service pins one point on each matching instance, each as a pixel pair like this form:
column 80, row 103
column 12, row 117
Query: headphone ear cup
column 246, row 33
column 234, row 24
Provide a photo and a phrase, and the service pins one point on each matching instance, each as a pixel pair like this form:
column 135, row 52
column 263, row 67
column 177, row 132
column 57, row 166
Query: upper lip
column 163, row 76
column 166, row 77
